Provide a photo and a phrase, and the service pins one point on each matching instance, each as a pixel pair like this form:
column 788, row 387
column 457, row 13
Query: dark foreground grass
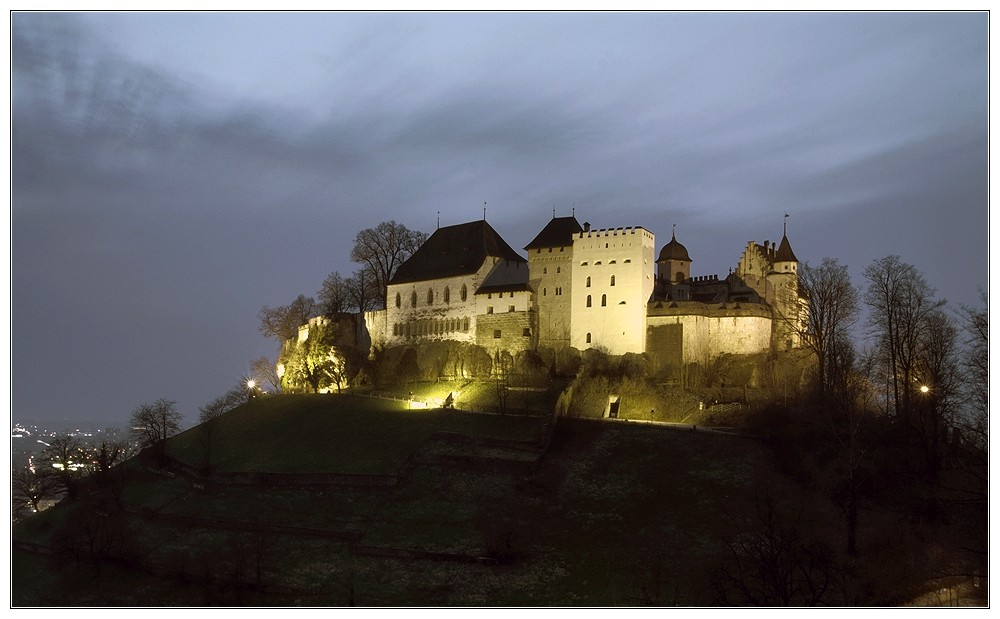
column 616, row 514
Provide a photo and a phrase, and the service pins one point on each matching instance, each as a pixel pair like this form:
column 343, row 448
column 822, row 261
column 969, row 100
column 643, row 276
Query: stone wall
column 510, row 331
column 704, row 335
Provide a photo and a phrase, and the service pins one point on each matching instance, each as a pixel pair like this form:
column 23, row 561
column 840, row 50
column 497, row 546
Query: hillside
column 337, row 500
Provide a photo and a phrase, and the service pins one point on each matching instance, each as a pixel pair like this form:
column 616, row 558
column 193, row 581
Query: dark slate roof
column 559, row 232
column 785, row 252
column 673, row 251
column 454, row 250
column 505, row 277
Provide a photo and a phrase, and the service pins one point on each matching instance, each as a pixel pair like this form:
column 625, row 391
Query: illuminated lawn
column 332, row 434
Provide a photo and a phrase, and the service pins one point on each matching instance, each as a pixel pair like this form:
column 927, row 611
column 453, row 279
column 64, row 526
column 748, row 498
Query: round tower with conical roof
column 674, row 263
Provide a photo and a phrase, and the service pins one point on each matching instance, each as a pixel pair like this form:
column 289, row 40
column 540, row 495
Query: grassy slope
column 331, row 433
column 616, row 514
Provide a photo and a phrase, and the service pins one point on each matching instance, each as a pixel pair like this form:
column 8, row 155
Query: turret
column 674, row 264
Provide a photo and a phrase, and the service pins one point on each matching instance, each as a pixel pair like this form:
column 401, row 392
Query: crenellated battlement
column 612, row 232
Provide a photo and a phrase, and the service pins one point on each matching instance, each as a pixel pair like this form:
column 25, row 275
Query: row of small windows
column 626, row 261
column 604, row 300
column 510, row 308
column 539, row 250
column 558, row 291
column 430, row 296
column 545, row 270
column 415, row 328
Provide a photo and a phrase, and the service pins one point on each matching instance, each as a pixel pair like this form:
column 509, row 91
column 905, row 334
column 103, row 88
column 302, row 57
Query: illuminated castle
column 586, row 288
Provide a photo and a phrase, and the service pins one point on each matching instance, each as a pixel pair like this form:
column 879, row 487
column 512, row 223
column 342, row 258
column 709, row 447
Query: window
column 395, row 329
column 544, row 290
column 584, row 263
column 399, row 301
column 430, row 296
column 496, row 334
column 510, row 308
column 611, row 261
column 489, row 309
column 558, row 269
column 588, row 301
column 465, row 292
column 413, row 299
column 604, row 300
column 588, row 281
column 598, row 262
column 489, row 295
column 465, row 324
column 545, row 270
column 447, row 293
column 612, row 280
column 560, row 249
column 627, row 261
column 588, row 338
column 526, row 332
column 550, row 250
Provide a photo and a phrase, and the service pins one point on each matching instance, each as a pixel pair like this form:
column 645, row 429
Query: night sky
column 172, row 173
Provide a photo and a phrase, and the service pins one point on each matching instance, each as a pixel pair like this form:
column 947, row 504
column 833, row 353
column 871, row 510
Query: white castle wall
column 616, row 316
column 454, row 319
column 706, row 337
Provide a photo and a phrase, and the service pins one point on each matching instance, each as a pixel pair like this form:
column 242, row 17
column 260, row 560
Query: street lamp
column 924, row 388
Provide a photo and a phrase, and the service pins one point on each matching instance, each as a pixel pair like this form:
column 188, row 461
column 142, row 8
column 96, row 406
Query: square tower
column 612, row 282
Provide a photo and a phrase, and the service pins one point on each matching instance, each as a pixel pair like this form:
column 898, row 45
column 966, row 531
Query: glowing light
column 251, row 384
column 924, row 388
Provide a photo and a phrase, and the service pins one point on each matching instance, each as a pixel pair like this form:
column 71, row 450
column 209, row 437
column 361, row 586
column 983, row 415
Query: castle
column 586, row 288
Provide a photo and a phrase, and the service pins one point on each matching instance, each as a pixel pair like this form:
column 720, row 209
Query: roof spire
column 439, row 221
column 574, row 209
column 553, row 211
column 673, row 232
column 784, row 232
column 484, row 210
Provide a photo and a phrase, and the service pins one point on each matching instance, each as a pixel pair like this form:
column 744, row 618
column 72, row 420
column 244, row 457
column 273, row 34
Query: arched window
column 465, row 292
column 612, row 280
column 430, row 296
column 399, row 300
column 447, row 294
column 588, row 301
column 604, row 300
column 559, row 269
column 588, row 338
column 588, row 281
column 413, row 299
column 545, row 270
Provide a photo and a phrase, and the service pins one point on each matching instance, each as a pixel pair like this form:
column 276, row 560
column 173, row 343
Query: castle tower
column 784, row 280
column 550, row 265
column 612, row 283
column 674, row 264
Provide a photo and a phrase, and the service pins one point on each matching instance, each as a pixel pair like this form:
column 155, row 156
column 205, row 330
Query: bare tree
column 152, row 424
column 283, row 322
column 333, row 294
column 977, row 372
column 66, row 459
column 900, row 301
column 265, row 371
column 30, row 487
column 937, row 374
column 832, row 310
column 224, row 403
column 382, row 249
column 362, row 291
